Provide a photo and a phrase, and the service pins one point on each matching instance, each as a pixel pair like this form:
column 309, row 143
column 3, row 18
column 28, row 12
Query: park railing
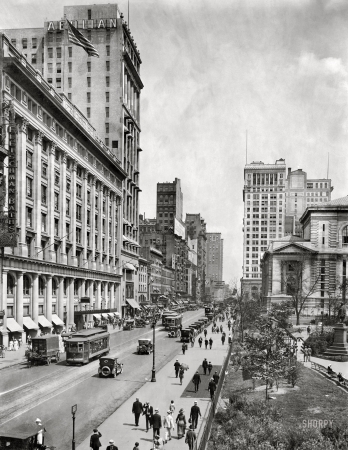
column 203, row 439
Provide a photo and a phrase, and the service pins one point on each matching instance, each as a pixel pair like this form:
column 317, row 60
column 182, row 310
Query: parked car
column 109, row 366
column 144, row 346
column 129, row 324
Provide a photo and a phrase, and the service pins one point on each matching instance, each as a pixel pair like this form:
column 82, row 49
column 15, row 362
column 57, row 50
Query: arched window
column 54, row 286
column 345, row 236
column 41, row 286
column 26, row 285
column 10, row 284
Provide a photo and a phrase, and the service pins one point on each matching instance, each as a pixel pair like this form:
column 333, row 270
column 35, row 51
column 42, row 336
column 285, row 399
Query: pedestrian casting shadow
column 148, row 440
column 131, row 425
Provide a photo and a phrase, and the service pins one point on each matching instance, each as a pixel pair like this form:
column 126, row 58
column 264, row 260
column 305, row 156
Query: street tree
column 247, row 310
column 268, row 352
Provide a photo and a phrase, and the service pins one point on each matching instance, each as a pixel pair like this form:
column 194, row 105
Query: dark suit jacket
column 156, row 421
column 94, row 441
column 205, row 363
column 195, row 411
column 196, row 378
column 177, row 365
column 137, row 407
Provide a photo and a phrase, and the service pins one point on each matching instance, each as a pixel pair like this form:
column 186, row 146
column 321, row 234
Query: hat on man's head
column 195, row 403
column 136, row 399
column 156, row 409
column 169, row 411
column 111, row 441
column 95, row 430
column 38, row 420
column 181, row 410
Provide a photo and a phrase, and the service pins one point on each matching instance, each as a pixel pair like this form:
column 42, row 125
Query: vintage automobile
column 144, row 346
column 109, row 366
column 23, row 437
column 186, row 333
column 140, row 322
column 174, row 331
column 129, row 324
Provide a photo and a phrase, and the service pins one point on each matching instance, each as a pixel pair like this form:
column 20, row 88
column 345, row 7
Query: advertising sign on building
column 179, row 228
column 8, row 235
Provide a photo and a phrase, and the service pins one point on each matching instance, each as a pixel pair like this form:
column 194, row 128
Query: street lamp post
column 73, row 411
column 322, row 322
column 154, row 320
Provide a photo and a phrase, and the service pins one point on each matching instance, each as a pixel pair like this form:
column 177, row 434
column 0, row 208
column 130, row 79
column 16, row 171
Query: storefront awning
column 97, row 316
column 111, row 315
column 117, row 314
column 44, row 322
column 133, row 303
column 104, row 315
column 13, row 326
column 129, row 266
column 57, row 321
column 29, row 323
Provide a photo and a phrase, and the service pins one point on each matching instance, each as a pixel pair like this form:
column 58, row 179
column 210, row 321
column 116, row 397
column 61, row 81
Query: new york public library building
column 68, row 210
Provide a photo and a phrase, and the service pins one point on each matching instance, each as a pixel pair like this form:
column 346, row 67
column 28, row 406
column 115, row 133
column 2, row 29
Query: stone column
column 37, row 194
column 19, row 299
column 98, row 297
column 50, row 199
column 73, row 214
column 100, row 225
column 119, row 217
column 60, row 298
column 112, row 295
column 107, row 237
column 49, row 298
column 113, row 229
column 63, row 255
column 35, row 298
column 70, row 303
column 276, row 276
column 21, row 189
column 84, row 219
column 3, row 307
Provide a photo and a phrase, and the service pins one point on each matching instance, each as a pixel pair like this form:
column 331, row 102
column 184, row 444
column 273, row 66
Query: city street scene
column 173, row 225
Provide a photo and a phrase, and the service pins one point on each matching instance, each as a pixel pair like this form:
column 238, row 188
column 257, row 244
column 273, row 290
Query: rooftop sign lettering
column 83, row 24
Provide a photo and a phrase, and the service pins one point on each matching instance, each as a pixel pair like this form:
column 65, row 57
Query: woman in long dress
column 181, row 423
column 15, row 345
column 10, row 345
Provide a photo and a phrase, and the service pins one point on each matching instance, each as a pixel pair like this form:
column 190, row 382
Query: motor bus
column 168, row 314
column 86, row 345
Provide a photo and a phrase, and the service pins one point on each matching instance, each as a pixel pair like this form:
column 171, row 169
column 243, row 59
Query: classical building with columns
column 69, row 209
column 317, row 261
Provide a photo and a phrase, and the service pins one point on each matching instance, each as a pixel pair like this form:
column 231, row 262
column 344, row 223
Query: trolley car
column 85, row 345
column 173, row 322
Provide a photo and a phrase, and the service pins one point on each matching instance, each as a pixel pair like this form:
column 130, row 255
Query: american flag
column 77, row 38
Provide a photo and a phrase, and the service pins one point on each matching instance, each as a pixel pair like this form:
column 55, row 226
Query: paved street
column 52, row 390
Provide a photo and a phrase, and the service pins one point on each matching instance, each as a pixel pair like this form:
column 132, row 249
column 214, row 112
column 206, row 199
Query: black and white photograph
column 173, row 225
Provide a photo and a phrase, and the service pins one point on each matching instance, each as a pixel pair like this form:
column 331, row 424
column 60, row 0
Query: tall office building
column 301, row 193
column 264, row 213
column 215, row 253
column 169, row 204
column 197, row 229
column 106, row 91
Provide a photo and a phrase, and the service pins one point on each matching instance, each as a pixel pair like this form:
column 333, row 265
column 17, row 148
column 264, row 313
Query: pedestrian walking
column 136, row 446
column 137, row 409
column 210, row 367
column 205, row 333
column 308, row 329
column 212, row 388
column 181, row 374
column 309, row 354
column 305, row 354
column 221, row 328
column 94, row 441
column 19, row 342
column 216, row 377
column 229, row 339
column 191, row 438
column 200, row 341
column 184, row 347
column 177, row 366
column 156, row 423
column 181, row 423
column 148, row 413
column 172, row 407
column 205, row 365
column 210, row 343
column 194, row 414
column 168, row 425
column 112, row 445
column 206, row 342
column 223, row 337
column 158, row 442
column 192, row 341
column 10, row 345
column 196, row 380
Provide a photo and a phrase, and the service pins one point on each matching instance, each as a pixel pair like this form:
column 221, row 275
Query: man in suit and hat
column 94, row 441
column 137, row 410
column 205, row 365
column 177, row 368
column 40, row 432
column 156, row 422
column 195, row 412
column 196, row 380
column 111, row 445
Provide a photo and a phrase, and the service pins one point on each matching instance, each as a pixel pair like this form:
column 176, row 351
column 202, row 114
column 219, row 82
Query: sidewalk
column 13, row 358
column 120, row 426
column 337, row 366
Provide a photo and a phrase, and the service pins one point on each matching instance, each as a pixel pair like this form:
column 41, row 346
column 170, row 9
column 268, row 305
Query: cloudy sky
column 214, row 69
